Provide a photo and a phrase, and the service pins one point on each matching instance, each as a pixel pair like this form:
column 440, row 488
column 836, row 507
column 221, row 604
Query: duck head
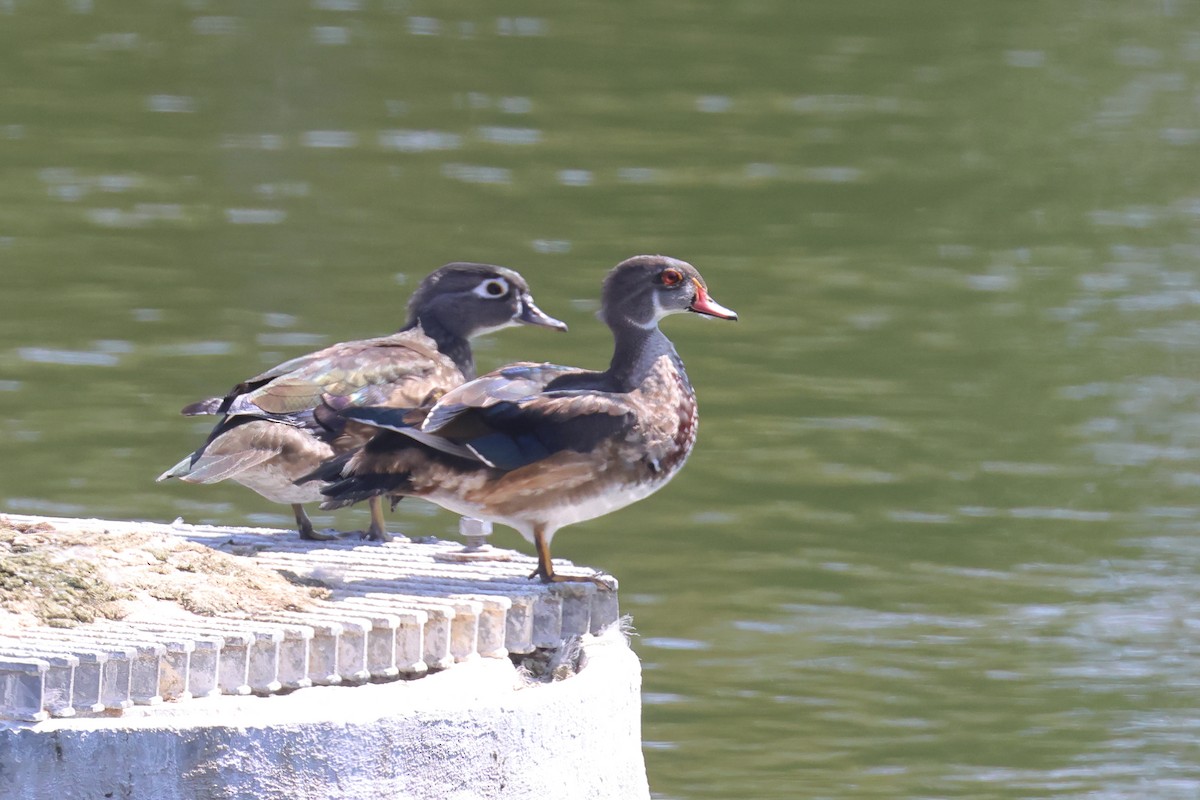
column 466, row 299
column 642, row 290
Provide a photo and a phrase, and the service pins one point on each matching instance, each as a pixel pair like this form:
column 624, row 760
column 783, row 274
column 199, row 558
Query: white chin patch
column 659, row 313
column 512, row 323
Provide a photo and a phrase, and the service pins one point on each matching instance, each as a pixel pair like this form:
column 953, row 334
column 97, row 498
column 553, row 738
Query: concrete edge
column 477, row 731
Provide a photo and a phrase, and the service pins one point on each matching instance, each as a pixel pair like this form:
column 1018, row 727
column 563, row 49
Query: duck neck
column 635, row 352
column 449, row 343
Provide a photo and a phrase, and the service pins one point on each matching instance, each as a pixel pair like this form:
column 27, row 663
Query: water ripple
column 171, row 104
column 407, row 141
column 292, row 338
column 255, row 216
column 210, row 348
column 501, row 135
column 329, row 139
column 48, row 355
column 473, row 173
column 330, row 35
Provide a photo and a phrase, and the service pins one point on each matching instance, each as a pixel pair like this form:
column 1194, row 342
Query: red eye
column 671, row 277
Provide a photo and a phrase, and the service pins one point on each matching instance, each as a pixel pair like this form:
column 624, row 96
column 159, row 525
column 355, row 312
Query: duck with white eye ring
column 283, row 423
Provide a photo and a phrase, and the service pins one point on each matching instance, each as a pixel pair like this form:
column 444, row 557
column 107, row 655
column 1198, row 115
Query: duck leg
column 306, row 527
column 545, row 568
column 378, row 530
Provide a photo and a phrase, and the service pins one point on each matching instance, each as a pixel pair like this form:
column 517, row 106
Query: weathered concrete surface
column 476, row 731
column 99, row 615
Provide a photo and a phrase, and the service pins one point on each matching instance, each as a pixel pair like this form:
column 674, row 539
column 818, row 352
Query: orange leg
column 545, row 567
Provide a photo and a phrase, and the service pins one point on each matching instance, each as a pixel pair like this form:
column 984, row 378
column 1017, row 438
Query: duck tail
column 357, row 488
column 210, row 406
column 329, row 470
column 178, row 471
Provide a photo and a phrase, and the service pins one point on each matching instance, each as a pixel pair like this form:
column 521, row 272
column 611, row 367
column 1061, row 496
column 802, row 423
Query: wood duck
column 283, row 423
column 540, row 446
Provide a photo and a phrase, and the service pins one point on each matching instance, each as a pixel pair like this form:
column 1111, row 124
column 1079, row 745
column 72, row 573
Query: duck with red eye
column 540, row 446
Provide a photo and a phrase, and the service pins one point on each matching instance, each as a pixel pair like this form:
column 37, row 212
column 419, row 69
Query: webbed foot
column 312, row 535
column 305, row 526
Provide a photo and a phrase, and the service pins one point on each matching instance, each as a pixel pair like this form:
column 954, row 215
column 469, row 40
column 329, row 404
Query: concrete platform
column 476, row 731
column 397, row 681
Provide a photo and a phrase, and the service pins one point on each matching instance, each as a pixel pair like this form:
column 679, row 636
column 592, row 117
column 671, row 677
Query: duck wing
column 515, row 416
column 509, row 384
column 237, row 444
column 505, row 420
column 403, row 369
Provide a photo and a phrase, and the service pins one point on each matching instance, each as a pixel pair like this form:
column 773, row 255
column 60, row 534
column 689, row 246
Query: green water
column 938, row 538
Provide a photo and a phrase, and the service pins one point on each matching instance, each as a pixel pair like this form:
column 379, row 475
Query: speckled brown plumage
column 282, row 423
column 540, row 446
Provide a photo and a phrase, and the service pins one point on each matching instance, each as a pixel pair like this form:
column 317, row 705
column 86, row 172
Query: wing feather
column 508, row 420
column 511, row 384
column 398, row 370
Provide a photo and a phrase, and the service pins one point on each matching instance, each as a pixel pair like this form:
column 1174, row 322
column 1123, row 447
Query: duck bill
column 532, row 315
column 703, row 304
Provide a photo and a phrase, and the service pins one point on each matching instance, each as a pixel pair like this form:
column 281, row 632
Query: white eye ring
column 492, row 289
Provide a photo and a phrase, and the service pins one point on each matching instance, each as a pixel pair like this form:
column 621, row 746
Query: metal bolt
column 475, row 531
